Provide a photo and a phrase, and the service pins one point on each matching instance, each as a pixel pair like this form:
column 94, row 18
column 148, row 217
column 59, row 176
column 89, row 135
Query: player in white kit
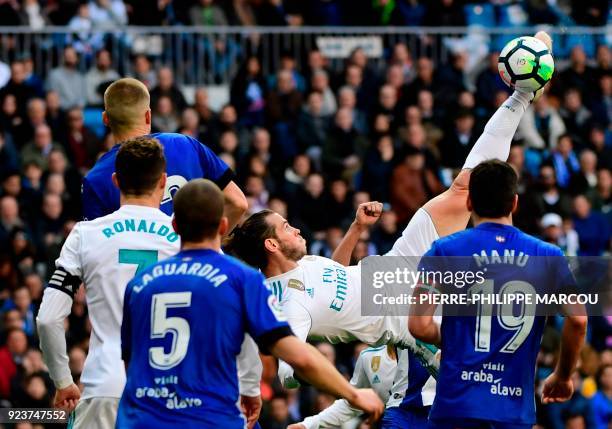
column 105, row 254
column 321, row 297
column 375, row 368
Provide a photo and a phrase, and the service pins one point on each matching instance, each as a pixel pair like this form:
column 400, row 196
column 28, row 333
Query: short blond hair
column 125, row 102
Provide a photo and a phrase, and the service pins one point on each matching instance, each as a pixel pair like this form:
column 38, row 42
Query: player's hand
column 296, row 426
column 368, row 213
column 369, row 402
column 67, row 398
column 251, row 407
column 556, row 389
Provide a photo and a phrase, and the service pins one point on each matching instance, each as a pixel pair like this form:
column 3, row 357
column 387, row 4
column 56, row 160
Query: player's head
column 198, row 212
column 493, row 190
column 140, row 168
column 263, row 236
column 127, row 107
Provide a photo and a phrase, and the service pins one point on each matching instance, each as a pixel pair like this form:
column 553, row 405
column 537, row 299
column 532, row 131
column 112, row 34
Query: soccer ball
column 526, row 64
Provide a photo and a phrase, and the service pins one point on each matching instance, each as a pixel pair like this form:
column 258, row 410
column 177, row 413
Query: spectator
column 33, row 15
column 386, row 232
column 296, row 174
column 32, row 79
column 82, row 144
column 553, row 232
column 602, row 102
column 205, row 113
column 585, row 180
column 377, row 169
column 10, row 356
column 18, row 88
column 575, row 115
column 164, row 116
column 564, row 161
column 592, row 228
column 56, row 117
column 590, row 12
column 347, row 98
column 142, row 71
column 310, row 202
column 402, row 57
column 344, row 147
column 107, row 14
column 579, row 75
column 9, row 158
column 458, row 140
column 67, row 81
column 248, row 92
column 312, row 126
column 99, row 77
column 541, row 126
column 205, row 12
column 190, row 123
column 339, row 206
column 166, row 87
column 412, row 184
column 36, row 115
column 489, row 82
column 602, row 400
column 82, row 38
column 603, row 198
column 283, row 106
column 38, row 150
column 320, row 83
column 279, row 417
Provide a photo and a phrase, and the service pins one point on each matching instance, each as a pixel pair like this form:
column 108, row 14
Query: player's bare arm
column 421, row 322
column 366, row 216
column 317, row 370
column 235, row 204
column 558, row 386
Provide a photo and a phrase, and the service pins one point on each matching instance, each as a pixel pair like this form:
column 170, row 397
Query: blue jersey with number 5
column 186, row 159
column 184, row 321
column 488, row 356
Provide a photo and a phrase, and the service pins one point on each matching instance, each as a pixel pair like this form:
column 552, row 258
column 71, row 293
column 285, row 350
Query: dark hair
column 493, row 186
column 198, row 209
column 139, row 165
column 247, row 240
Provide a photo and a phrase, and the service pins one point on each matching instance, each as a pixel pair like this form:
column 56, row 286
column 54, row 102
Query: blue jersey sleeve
column 93, row 207
column 216, row 170
column 429, row 262
column 265, row 320
column 126, row 326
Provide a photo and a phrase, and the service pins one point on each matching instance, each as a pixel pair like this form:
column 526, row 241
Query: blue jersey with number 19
column 186, row 159
column 488, row 356
column 183, row 325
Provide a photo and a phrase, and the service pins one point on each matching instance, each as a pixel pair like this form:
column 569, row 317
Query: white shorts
column 96, row 413
column 418, row 236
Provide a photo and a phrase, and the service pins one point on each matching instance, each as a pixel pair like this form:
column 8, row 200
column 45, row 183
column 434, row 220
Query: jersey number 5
column 162, row 325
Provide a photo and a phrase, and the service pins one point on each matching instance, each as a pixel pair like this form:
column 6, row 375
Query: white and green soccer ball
column 526, row 64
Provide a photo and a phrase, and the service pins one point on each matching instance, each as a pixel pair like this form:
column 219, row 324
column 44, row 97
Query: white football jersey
column 106, row 253
column 322, row 301
column 374, row 369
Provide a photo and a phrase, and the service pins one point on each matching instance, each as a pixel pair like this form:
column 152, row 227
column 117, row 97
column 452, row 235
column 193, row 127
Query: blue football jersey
column 184, row 321
column 487, row 371
column 186, row 159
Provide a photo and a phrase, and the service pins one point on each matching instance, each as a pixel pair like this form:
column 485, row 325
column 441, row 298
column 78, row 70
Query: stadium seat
column 92, row 118
column 480, row 14
column 512, row 16
column 585, row 40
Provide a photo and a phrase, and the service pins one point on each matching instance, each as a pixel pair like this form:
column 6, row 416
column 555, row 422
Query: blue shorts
column 473, row 424
column 401, row 418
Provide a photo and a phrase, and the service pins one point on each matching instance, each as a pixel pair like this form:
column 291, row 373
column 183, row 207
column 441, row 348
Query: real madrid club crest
column 296, row 284
column 375, row 363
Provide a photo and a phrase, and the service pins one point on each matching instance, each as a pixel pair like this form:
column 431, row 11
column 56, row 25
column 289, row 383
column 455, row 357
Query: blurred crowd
column 93, row 14
column 310, row 143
